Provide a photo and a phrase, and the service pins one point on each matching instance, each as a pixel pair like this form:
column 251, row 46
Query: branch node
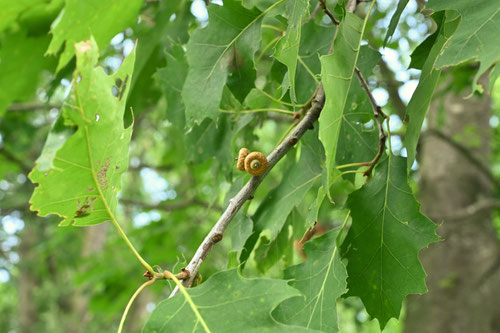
column 217, row 238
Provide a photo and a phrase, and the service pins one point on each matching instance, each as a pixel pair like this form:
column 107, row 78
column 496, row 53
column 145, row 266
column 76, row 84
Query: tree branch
column 392, row 86
column 379, row 117
column 32, row 106
column 377, row 110
column 328, row 12
column 167, row 206
column 471, row 210
column 11, row 157
column 467, row 154
column 215, row 235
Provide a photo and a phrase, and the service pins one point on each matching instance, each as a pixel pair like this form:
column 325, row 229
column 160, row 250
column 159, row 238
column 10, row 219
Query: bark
column 28, row 281
column 463, row 277
column 93, row 242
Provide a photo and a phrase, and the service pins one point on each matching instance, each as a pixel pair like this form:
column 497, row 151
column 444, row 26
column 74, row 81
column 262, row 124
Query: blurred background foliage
column 79, row 279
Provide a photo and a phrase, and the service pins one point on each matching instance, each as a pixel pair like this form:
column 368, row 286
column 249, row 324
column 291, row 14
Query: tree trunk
column 28, row 281
column 93, row 242
column 463, row 275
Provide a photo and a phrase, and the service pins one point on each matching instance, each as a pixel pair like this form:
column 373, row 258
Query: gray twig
column 379, row 117
column 215, row 235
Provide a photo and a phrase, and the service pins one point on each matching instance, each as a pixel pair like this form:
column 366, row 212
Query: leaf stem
column 188, row 299
column 259, row 110
column 267, row 47
column 271, row 97
column 272, row 27
column 299, row 58
column 132, row 299
column 108, row 210
column 357, row 164
column 288, row 130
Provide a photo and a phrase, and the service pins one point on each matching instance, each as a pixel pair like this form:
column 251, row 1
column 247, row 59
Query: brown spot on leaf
column 83, row 47
column 101, row 174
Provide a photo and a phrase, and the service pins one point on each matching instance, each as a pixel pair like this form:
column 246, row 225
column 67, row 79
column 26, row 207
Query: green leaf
column 79, row 19
column 287, row 48
column 395, row 20
column 172, row 78
column 239, row 230
column 315, row 40
column 321, row 279
column 358, row 112
column 211, row 51
column 213, row 139
column 337, row 73
column 279, row 203
column 80, row 180
column 382, row 245
column 421, row 52
column 226, row 303
column 18, row 82
column 12, row 9
column 421, row 98
column 313, row 212
column 477, row 36
column 268, row 253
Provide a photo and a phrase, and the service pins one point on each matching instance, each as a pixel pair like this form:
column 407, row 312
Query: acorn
column 255, row 163
column 241, row 159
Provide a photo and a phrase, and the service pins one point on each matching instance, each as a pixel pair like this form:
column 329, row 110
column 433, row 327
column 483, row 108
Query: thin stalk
column 111, row 215
column 258, row 110
column 188, row 299
column 272, row 27
column 343, row 166
column 132, row 299
column 267, row 47
column 308, row 69
column 288, row 130
column 277, row 100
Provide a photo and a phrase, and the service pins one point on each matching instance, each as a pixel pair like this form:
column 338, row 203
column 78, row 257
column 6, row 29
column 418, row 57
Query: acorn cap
column 241, row 159
column 256, row 169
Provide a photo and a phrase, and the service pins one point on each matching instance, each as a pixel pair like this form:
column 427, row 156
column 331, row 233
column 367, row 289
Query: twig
column 328, row 12
column 314, row 13
column 467, row 154
column 392, row 85
column 215, row 235
column 168, row 206
column 32, row 107
column 471, row 210
column 11, row 157
column 377, row 112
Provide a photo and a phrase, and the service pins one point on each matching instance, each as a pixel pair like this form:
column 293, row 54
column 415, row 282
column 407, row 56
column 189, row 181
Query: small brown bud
column 217, row 238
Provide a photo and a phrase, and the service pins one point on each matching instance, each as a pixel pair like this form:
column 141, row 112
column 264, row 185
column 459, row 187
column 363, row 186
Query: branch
column 467, row 154
column 392, row 86
column 32, row 106
column 167, row 206
column 328, row 12
column 11, row 157
column 215, row 235
column 377, row 112
column 471, row 210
